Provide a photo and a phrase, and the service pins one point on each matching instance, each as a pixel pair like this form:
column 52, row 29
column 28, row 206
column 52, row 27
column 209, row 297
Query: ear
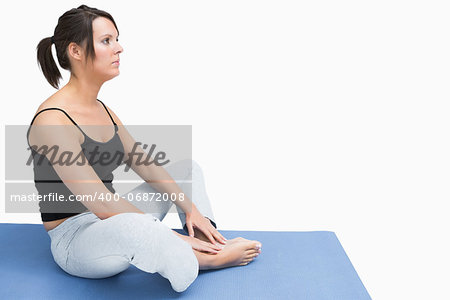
column 75, row 51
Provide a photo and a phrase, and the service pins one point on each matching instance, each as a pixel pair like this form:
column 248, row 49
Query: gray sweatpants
column 86, row 246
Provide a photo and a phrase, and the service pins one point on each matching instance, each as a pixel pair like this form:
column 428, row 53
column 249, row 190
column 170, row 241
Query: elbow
column 100, row 210
column 102, row 216
column 105, row 214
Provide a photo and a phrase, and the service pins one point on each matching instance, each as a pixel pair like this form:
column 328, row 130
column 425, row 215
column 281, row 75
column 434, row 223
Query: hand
column 195, row 219
column 200, row 245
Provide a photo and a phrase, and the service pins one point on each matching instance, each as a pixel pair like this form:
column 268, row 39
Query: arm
column 158, row 178
column 80, row 178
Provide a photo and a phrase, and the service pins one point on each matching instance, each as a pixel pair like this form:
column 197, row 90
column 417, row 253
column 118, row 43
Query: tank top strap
column 54, row 108
column 115, row 125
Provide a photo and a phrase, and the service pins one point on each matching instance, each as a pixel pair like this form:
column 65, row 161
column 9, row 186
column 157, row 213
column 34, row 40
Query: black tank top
column 47, row 181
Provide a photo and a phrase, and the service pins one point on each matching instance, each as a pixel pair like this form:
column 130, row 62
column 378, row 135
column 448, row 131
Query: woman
column 98, row 239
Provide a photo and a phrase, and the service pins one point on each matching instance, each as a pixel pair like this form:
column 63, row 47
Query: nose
column 119, row 48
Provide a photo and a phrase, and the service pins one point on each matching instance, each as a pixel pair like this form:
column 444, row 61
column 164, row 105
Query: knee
column 133, row 219
column 129, row 227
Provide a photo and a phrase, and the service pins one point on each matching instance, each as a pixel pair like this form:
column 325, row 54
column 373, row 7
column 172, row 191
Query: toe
column 257, row 245
column 251, row 256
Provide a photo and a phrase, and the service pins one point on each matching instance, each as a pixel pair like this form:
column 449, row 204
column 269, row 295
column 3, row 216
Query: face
column 107, row 48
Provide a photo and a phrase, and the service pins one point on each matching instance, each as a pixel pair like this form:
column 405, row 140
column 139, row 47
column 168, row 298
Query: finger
column 213, row 246
column 222, row 236
column 213, row 251
column 209, row 236
column 190, row 228
column 216, row 233
column 218, row 237
column 209, row 250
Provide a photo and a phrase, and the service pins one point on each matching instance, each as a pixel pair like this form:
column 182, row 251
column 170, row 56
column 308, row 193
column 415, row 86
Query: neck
column 84, row 90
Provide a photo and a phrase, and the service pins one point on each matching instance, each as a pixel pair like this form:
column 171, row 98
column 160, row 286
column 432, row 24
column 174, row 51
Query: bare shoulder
column 54, row 100
column 113, row 114
column 46, row 116
column 53, row 116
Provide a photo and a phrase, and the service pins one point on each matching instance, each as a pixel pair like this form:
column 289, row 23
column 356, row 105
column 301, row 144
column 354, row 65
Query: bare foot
column 236, row 252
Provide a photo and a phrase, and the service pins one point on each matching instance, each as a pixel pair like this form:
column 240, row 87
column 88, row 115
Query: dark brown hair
column 75, row 26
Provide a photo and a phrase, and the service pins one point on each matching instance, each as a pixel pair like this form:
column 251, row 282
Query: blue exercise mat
column 292, row 265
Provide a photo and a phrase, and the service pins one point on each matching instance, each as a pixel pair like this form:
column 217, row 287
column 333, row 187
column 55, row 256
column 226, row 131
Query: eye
column 107, row 39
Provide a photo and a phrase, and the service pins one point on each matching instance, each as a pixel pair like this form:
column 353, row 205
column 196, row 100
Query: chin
column 107, row 78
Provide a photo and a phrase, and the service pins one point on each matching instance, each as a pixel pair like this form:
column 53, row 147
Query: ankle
column 206, row 261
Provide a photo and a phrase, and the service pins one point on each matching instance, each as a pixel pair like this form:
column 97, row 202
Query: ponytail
column 47, row 63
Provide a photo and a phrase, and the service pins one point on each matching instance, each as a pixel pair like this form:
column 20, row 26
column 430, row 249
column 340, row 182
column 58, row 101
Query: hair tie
column 53, row 40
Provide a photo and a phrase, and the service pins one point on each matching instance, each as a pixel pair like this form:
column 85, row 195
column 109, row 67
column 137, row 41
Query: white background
column 312, row 115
